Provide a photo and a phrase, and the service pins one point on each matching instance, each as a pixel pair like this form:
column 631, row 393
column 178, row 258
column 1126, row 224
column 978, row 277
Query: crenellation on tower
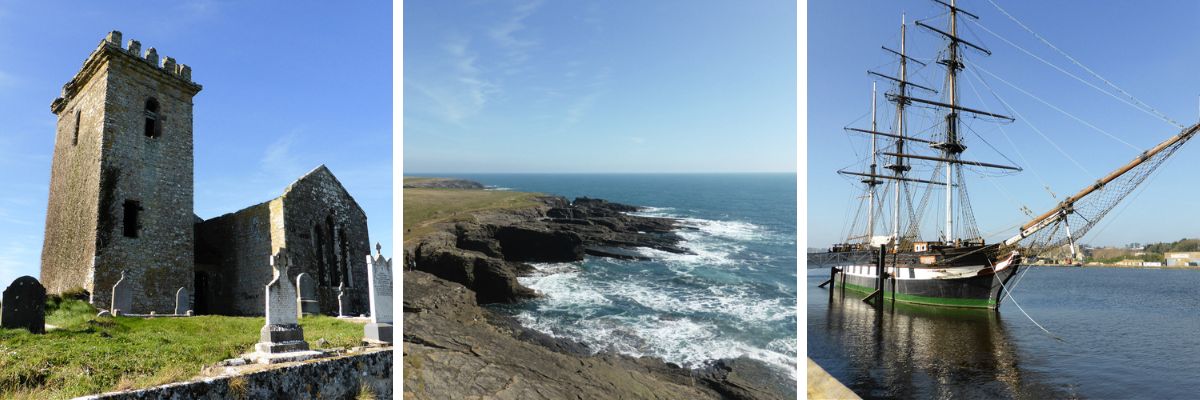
column 134, row 47
column 151, row 56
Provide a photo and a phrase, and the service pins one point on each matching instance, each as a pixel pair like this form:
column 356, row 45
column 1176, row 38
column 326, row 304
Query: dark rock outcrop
column 451, row 351
column 448, row 338
column 745, row 378
column 487, row 254
column 442, row 183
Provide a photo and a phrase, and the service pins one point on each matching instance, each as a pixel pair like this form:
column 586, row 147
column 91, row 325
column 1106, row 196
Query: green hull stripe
column 933, row 301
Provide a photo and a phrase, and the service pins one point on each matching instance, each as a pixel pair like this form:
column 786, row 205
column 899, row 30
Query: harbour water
column 733, row 296
column 1112, row 333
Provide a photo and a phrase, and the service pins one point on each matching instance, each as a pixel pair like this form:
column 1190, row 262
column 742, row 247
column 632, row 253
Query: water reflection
column 911, row 351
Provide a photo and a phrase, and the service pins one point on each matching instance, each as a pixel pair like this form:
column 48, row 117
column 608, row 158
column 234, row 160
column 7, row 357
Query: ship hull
column 975, row 283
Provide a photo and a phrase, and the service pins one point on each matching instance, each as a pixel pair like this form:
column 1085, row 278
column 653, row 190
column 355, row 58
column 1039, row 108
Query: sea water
column 733, row 295
column 1109, row 333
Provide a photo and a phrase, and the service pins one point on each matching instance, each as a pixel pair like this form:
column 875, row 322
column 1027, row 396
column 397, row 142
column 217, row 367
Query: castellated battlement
column 134, row 48
column 111, row 50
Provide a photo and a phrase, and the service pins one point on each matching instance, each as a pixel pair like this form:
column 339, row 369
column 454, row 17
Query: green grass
column 423, row 207
column 88, row 354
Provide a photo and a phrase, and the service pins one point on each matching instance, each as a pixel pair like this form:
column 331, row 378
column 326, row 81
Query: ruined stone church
column 121, row 200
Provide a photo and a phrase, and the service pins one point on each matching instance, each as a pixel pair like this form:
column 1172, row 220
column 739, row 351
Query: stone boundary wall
column 331, row 378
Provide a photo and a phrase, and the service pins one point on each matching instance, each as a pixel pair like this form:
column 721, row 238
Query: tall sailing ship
column 958, row 268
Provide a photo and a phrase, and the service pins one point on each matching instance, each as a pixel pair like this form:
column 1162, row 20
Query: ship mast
column 952, row 147
column 871, row 185
column 898, row 168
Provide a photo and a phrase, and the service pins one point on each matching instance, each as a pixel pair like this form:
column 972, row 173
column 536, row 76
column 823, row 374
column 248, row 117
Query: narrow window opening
column 75, row 138
column 330, row 253
column 132, row 209
column 153, row 125
column 320, row 253
column 344, row 251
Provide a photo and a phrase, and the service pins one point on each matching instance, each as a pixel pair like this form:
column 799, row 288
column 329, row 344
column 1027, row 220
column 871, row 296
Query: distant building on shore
column 1183, row 259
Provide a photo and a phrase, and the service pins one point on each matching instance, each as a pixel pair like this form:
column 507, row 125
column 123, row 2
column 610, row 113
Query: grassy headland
column 86, row 354
column 424, row 207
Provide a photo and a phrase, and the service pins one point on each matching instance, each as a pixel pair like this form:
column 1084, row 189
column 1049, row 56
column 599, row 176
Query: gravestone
column 341, row 299
column 282, row 332
column 181, row 301
column 379, row 283
column 122, row 297
column 23, row 305
column 306, row 295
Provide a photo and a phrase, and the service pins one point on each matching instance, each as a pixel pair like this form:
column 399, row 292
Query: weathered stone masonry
column 315, row 219
column 121, row 199
column 121, row 177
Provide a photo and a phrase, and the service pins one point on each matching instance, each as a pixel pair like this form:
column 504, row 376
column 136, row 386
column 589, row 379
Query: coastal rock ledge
column 454, row 348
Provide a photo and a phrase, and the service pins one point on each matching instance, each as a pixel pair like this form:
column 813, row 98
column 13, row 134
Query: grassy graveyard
column 86, row 354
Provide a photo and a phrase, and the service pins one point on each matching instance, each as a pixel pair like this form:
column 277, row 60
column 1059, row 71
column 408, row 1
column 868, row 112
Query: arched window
column 153, row 126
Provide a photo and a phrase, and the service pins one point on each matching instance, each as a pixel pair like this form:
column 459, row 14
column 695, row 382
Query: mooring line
column 1008, row 295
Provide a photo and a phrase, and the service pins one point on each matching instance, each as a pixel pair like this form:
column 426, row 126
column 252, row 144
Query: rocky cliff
column 453, row 348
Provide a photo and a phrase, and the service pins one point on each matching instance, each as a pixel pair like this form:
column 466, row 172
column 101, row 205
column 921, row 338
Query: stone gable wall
column 314, row 200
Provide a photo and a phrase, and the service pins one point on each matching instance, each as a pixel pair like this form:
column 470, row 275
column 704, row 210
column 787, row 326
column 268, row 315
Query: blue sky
column 286, row 88
column 599, row 86
column 1147, row 51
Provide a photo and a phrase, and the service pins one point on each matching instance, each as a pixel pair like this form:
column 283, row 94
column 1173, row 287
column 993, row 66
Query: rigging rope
column 1008, row 295
column 1056, row 108
column 1027, row 122
column 1080, row 65
column 1028, row 165
column 1168, row 120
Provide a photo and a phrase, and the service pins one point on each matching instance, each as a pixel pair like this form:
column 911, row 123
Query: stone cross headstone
column 23, row 305
column 341, row 299
column 306, row 295
column 181, row 301
column 282, row 332
column 122, row 297
column 379, row 284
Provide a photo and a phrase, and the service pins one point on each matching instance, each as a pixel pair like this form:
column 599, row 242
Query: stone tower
column 121, row 178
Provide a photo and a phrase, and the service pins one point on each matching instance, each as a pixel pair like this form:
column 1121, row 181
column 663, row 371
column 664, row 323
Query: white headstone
column 182, row 301
column 122, row 297
column 379, row 285
column 282, row 332
column 281, row 308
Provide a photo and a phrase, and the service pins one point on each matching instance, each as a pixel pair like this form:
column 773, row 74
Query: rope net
column 1086, row 212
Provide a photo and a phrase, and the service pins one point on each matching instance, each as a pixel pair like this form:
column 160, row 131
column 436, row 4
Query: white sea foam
column 685, row 323
column 682, row 341
column 498, row 188
column 736, row 230
column 735, row 302
column 565, row 291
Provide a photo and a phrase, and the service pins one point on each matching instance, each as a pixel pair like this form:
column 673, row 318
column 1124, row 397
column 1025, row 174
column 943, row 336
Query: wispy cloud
column 279, row 160
column 7, row 79
column 505, row 35
column 580, row 105
column 462, row 92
